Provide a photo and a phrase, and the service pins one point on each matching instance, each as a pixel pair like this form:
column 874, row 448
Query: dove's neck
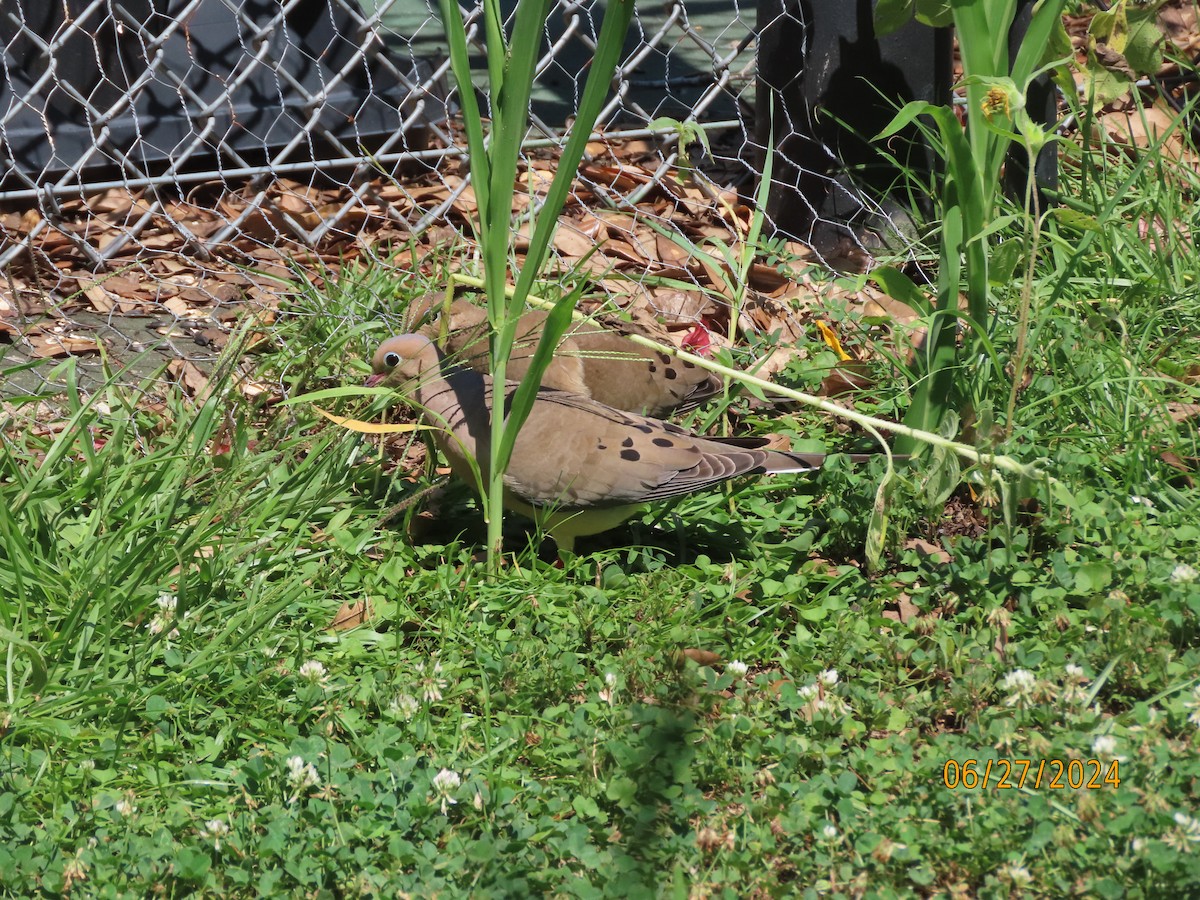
column 457, row 401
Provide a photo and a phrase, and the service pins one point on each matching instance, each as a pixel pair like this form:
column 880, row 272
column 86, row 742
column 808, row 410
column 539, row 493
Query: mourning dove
column 578, row 467
column 590, row 360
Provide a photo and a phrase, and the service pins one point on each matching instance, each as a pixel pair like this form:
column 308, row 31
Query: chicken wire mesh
column 166, row 165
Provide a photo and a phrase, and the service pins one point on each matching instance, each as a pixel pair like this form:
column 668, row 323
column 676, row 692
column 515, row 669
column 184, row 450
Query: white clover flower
column 1019, row 680
column 313, row 671
column 214, row 829
column 1137, row 845
column 1019, row 876
column 829, row 677
column 301, row 775
column 808, row 692
column 404, row 705
column 125, row 808
column 432, row 683
column 1020, row 683
column 829, row 832
column 1189, row 826
column 1074, row 672
column 167, row 605
column 1183, row 573
column 609, row 691
column 1104, row 745
column 445, row 783
column 736, row 668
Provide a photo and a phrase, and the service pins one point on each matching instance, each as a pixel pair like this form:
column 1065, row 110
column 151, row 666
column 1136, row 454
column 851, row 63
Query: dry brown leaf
column 99, row 298
column 125, row 286
column 1141, row 127
column 704, row 267
column 679, row 307
column 1178, row 22
column 185, row 373
column 670, row 252
column 164, row 240
column 904, row 612
column 777, row 442
column 619, row 177
column 1175, row 461
column 928, row 549
column 50, row 346
column 765, row 278
column 1181, row 412
column 773, row 363
column 875, row 303
column 845, row 378
column 114, row 200
column 770, row 315
column 351, row 615
column 702, row 657
column 570, row 242
column 291, row 203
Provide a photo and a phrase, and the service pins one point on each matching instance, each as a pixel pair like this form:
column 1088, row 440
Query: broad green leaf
column 1073, row 219
column 937, row 13
column 1143, row 48
column 904, row 116
column 891, row 15
column 1111, row 27
column 1006, row 256
column 896, row 284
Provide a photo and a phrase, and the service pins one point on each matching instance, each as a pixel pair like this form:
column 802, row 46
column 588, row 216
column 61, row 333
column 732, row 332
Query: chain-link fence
column 164, row 162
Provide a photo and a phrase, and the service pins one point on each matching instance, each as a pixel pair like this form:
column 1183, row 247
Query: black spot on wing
column 628, row 442
column 630, row 455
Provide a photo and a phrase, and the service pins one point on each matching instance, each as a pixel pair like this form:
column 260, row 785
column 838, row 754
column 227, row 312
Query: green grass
column 168, row 576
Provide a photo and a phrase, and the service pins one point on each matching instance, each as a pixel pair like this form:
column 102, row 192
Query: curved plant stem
column 1004, row 463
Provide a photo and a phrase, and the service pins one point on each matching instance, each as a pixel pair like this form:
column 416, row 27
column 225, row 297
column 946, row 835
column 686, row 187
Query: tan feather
column 591, row 360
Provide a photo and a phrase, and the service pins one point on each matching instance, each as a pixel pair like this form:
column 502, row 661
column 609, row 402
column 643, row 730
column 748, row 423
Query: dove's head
column 401, row 359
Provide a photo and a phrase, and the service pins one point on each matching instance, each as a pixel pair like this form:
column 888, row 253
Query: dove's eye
column 391, row 360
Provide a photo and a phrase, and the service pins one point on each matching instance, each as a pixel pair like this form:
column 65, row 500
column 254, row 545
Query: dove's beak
column 375, row 379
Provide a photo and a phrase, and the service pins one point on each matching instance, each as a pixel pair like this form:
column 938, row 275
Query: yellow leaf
column 832, row 340
column 371, row 427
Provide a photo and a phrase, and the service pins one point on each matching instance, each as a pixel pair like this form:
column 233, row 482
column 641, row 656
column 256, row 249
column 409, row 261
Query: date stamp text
column 1051, row 774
